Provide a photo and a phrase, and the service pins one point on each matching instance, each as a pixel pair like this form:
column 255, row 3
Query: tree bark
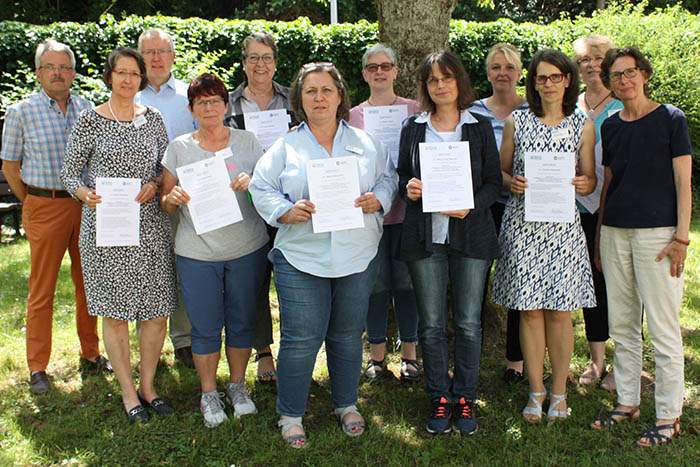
column 600, row 4
column 413, row 29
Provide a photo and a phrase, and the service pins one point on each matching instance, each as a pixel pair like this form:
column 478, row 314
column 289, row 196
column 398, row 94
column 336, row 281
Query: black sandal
column 608, row 420
column 374, row 369
column 408, row 373
column 266, row 376
column 657, row 439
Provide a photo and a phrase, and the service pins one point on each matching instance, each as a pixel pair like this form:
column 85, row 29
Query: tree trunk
column 413, row 29
column 600, row 4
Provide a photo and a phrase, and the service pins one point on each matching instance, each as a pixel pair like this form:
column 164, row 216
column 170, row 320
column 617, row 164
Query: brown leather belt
column 34, row 191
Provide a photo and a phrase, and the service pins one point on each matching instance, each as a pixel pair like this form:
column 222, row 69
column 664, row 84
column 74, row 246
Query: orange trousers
column 52, row 226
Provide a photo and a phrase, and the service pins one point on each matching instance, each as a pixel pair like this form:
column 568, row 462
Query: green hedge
column 669, row 37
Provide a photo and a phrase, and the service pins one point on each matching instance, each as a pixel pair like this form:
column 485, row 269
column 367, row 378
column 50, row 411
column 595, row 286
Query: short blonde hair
column 510, row 52
column 592, row 41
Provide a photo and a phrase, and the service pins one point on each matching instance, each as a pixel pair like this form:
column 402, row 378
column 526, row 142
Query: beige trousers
column 634, row 281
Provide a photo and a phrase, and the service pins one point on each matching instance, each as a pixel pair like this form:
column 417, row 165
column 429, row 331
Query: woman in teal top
column 597, row 103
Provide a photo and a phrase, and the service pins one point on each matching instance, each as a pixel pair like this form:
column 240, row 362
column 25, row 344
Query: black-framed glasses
column 254, row 59
column 554, row 78
column 587, row 60
column 616, row 76
column 373, row 67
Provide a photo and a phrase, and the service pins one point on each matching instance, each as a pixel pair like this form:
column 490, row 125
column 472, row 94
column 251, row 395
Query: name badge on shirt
column 139, row 121
column 559, row 134
column 354, row 150
column 224, row 153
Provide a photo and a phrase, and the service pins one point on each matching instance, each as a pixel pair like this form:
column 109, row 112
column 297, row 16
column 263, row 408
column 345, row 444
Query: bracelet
column 682, row 242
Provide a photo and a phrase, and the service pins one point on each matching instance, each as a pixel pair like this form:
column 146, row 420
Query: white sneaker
column 212, row 408
column 237, row 395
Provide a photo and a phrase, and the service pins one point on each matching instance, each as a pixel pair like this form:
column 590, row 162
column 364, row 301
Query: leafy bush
column 668, row 37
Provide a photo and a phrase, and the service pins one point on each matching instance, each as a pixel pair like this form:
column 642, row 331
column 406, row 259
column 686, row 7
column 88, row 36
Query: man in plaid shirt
column 34, row 137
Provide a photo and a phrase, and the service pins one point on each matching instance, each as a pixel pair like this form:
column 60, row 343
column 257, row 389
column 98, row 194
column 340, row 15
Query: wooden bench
column 13, row 206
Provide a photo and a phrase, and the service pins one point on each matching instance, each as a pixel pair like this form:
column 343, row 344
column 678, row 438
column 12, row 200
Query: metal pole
column 334, row 11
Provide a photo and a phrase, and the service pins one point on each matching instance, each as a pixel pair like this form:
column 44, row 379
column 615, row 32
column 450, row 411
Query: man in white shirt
column 169, row 96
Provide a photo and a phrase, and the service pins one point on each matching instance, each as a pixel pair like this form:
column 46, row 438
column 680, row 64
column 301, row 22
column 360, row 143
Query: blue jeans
column 314, row 310
column 393, row 282
column 430, row 277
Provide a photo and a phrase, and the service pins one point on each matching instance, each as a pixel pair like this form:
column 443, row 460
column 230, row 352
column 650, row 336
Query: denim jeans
column 393, row 282
column 430, row 276
column 314, row 310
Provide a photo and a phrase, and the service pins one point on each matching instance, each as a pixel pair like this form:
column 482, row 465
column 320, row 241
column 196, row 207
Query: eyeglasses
column 554, row 78
column 319, row 65
column 203, row 103
column 123, row 74
column 56, row 67
column 154, row 52
column 447, row 79
column 616, row 76
column 587, row 60
column 267, row 59
column 373, row 67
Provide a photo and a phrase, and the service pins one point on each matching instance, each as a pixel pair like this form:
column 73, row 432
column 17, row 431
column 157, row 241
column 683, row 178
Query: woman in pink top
column 393, row 284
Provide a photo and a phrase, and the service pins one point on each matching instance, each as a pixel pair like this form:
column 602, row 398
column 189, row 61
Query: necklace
column 396, row 98
column 247, row 88
column 591, row 110
column 109, row 104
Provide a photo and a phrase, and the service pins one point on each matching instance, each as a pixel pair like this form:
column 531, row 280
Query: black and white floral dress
column 123, row 282
column 544, row 265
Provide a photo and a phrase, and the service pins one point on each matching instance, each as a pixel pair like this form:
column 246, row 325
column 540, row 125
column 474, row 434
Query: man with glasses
column 169, row 96
column 34, row 137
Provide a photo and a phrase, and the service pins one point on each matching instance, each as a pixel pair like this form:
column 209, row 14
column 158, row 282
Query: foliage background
column 669, row 37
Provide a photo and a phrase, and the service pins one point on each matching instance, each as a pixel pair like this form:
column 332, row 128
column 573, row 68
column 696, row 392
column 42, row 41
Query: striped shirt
column 36, row 132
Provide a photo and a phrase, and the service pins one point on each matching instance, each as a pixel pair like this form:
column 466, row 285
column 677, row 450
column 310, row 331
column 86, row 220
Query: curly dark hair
column 640, row 60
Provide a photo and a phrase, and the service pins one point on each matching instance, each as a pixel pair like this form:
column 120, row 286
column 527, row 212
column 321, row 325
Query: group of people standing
column 630, row 224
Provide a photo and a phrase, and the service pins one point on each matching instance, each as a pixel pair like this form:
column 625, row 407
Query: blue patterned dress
column 544, row 265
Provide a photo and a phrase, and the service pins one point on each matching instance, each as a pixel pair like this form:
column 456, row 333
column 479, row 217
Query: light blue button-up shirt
column 172, row 102
column 441, row 222
column 36, row 132
column 280, row 180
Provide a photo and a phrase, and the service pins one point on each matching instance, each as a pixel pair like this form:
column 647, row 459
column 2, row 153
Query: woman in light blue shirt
column 323, row 280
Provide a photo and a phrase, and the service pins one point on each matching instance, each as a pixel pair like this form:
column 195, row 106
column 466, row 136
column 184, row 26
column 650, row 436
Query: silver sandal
column 352, row 428
column 537, row 409
column 293, row 441
column 553, row 413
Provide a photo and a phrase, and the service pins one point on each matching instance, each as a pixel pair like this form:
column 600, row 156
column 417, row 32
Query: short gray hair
column 262, row 37
column 155, row 32
column 379, row 49
column 50, row 45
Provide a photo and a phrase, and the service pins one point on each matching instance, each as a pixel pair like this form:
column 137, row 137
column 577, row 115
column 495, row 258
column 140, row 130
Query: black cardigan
column 475, row 235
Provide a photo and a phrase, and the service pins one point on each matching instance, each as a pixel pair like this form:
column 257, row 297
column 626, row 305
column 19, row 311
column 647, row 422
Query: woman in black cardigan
column 451, row 245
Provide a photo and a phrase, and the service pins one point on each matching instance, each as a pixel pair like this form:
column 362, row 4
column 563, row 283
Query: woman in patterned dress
column 125, row 283
column 544, row 270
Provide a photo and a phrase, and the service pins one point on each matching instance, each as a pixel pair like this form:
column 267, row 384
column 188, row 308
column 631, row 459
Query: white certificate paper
column 268, row 125
column 334, row 185
column 446, row 173
column 384, row 123
column 212, row 202
column 118, row 221
column 550, row 196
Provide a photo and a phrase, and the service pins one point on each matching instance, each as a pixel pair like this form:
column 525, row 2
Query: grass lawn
column 81, row 420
